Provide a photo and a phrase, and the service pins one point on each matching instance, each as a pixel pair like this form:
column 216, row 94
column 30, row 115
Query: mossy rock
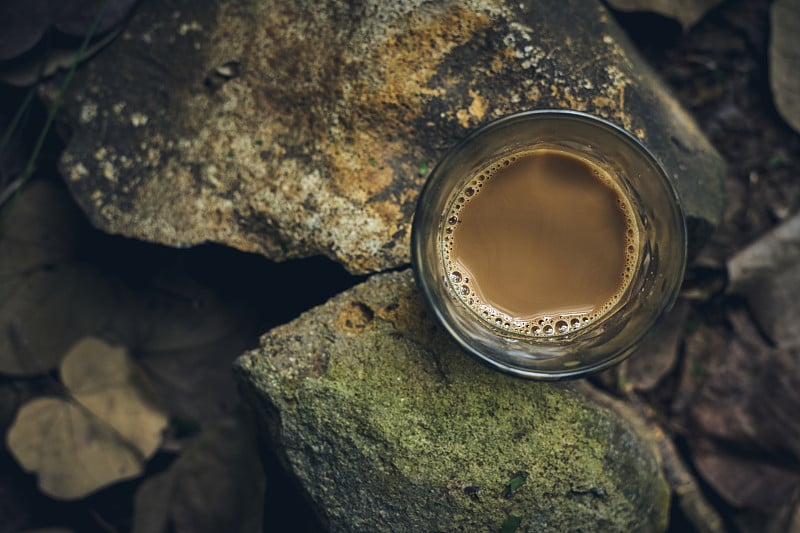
column 389, row 426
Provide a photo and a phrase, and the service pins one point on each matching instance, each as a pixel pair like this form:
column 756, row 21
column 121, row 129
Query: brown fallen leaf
column 752, row 397
column 686, row 12
column 103, row 432
column 658, row 353
column 703, row 347
column 744, row 433
column 784, row 59
column 743, row 481
column 216, row 484
column 767, row 274
column 48, row 299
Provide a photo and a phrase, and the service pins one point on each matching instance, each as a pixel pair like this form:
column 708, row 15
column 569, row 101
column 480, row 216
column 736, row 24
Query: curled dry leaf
column 216, row 484
column 767, row 274
column 686, row 12
column 103, row 433
column 784, row 59
column 48, row 299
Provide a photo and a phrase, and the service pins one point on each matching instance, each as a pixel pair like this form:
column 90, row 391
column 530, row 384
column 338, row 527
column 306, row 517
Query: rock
column 300, row 128
column 388, row 425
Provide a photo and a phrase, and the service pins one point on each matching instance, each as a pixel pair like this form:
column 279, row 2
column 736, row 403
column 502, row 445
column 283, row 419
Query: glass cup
column 653, row 286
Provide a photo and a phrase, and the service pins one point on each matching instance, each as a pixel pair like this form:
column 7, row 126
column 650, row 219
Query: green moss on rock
column 390, row 426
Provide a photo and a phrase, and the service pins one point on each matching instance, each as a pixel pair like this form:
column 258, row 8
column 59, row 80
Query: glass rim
column 431, row 294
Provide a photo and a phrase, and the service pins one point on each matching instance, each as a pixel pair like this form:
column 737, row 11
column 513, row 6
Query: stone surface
column 390, row 427
column 300, row 128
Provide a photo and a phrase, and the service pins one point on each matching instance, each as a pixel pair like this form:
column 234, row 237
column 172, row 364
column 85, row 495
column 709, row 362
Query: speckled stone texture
column 390, row 427
column 301, row 128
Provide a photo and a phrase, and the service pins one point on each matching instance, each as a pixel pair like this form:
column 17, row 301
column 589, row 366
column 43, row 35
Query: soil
column 718, row 70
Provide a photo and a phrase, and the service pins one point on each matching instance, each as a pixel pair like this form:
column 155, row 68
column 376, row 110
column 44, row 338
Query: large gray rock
column 390, row 427
column 299, row 128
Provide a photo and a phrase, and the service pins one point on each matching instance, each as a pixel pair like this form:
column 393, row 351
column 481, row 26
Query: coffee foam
column 458, row 278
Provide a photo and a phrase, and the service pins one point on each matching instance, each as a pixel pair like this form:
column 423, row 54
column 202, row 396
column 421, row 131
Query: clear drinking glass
column 651, row 291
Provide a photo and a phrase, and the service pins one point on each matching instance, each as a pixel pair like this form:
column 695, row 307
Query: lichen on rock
column 389, row 426
column 302, row 128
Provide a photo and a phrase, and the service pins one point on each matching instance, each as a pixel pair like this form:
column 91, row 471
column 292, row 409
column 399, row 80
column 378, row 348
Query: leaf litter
column 174, row 340
column 738, row 407
column 767, row 274
column 48, row 298
column 215, row 485
column 103, row 430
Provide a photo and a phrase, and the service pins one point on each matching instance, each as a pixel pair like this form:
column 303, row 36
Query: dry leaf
column 745, row 435
column 70, row 451
column 784, row 59
column 745, row 482
column 752, row 395
column 703, row 347
column 185, row 339
column 658, row 353
column 215, row 485
column 686, row 12
column 48, row 300
column 767, row 274
column 103, row 434
column 103, row 379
